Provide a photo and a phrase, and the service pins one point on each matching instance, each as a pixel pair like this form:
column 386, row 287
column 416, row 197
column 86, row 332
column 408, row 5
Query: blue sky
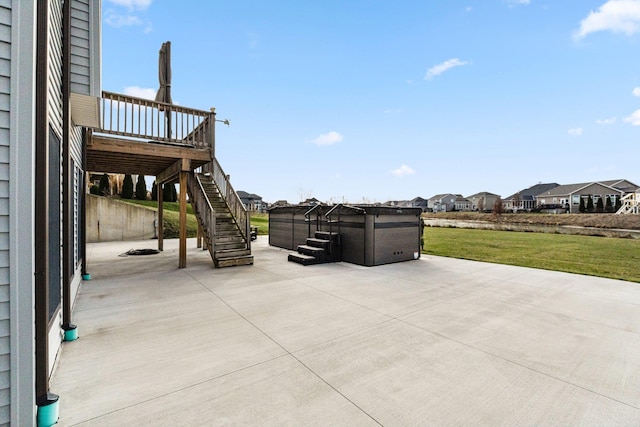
column 375, row 100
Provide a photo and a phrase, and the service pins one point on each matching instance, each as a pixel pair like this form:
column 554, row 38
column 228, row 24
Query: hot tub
column 368, row 235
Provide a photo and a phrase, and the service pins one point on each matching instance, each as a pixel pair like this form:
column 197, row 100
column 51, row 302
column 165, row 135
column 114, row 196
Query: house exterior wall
column 5, row 129
column 17, row 183
column 85, row 47
column 594, row 190
column 18, row 33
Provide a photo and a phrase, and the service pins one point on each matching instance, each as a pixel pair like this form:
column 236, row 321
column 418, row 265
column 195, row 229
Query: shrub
column 127, row 187
column 105, row 185
column 141, row 188
column 154, row 191
column 95, row 189
column 590, row 204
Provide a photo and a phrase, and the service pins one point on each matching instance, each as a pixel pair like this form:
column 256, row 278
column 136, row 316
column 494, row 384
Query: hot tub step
column 304, row 259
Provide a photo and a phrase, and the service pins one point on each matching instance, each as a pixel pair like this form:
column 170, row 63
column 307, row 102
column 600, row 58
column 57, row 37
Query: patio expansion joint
column 288, row 352
column 513, row 362
column 181, row 389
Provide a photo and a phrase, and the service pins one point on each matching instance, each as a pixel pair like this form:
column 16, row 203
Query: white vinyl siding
column 5, row 102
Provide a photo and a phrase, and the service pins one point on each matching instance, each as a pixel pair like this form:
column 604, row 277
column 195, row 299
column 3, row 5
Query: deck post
column 160, row 191
column 211, row 134
column 199, row 236
column 182, row 263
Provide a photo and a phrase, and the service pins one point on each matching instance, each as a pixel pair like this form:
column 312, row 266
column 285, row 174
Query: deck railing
column 235, row 205
column 133, row 117
column 202, row 205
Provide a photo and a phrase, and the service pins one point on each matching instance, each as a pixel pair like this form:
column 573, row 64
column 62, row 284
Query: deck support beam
column 160, row 216
column 182, row 262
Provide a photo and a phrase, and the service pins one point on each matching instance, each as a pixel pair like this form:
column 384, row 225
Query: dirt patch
column 627, row 222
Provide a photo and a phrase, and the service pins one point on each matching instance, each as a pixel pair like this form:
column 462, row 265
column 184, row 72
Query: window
column 575, row 199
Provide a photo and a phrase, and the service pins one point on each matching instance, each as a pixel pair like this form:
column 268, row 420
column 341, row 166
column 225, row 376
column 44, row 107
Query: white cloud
column 133, row 4
column 634, row 118
column 636, row 91
column 329, row 138
column 618, row 16
column 516, row 2
column 575, row 132
column 609, row 121
column 402, row 171
column 140, row 92
column 118, row 21
column 436, row 70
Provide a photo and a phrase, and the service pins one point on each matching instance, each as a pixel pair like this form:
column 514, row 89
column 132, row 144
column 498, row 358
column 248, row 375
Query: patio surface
column 436, row 341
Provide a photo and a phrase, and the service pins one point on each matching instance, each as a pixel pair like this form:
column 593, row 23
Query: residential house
column 483, row 201
column 525, row 200
column 311, row 202
column 571, row 194
column 417, row 202
column 252, row 202
column 42, row 203
column 462, row 203
column 442, row 202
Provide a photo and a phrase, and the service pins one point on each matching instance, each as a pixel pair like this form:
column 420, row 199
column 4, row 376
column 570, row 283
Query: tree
column 141, row 188
column 590, row 204
column 169, row 193
column 481, row 204
column 582, row 208
column 599, row 205
column 618, row 204
column 608, row 206
column 127, row 187
column 95, row 189
column 105, row 187
column 154, row 191
column 498, row 207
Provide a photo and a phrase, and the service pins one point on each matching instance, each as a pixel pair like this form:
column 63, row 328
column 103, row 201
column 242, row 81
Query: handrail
column 234, row 203
column 203, row 206
column 307, row 216
column 134, row 117
column 340, row 206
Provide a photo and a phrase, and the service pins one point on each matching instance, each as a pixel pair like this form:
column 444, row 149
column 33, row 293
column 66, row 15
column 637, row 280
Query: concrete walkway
column 435, row 341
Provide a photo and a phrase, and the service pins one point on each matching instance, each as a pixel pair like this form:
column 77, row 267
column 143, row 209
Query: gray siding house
column 442, row 202
column 483, row 201
column 571, row 194
column 47, row 50
column 525, row 200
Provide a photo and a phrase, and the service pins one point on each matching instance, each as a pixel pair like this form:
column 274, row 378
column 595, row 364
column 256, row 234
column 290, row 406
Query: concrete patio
column 435, row 341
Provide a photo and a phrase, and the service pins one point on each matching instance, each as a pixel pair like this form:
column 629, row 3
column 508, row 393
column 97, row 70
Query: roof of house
column 529, row 193
column 483, row 194
column 616, row 184
column 441, row 196
column 244, row 195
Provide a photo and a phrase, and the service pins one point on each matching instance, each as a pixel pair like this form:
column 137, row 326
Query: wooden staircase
column 225, row 236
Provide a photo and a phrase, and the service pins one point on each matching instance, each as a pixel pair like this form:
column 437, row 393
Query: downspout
column 47, row 402
column 86, row 135
column 70, row 331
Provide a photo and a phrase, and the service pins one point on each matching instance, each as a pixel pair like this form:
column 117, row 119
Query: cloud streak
column 140, row 92
column 436, row 70
column 402, row 171
column 575, row 132
column 634, row 118
column 618, row 16
column 328, row 138
column 133, row 4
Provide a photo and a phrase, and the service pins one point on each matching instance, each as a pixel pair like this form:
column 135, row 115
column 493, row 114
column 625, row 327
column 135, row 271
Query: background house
column 462, row 204
column 525, row 200
column 252, row 202
column 571, row 194
column 483, row 201
column 442, row 202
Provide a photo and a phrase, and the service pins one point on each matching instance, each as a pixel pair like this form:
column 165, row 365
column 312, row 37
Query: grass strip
column 595, row 256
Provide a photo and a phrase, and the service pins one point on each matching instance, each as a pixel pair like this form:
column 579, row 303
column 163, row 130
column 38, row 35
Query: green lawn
column 596, row 256
column 260, row 220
